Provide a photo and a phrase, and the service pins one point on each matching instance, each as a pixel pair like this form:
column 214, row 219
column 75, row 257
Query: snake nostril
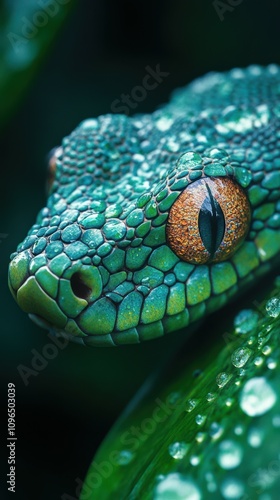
column 79, row 287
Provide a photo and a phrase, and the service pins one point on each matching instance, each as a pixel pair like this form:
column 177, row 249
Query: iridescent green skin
column 117, row 178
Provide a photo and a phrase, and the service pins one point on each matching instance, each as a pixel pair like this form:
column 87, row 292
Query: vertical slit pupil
column 211, row 223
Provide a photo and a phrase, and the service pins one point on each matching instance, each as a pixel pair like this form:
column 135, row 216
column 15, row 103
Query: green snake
column 156, row 220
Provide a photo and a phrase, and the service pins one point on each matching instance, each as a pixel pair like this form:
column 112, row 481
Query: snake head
column 148, row 226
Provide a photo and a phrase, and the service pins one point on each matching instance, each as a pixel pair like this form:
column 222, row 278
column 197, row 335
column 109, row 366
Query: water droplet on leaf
column 232, row 489
column 177, row 486
column 258, row 361
column 124, row 457
column 266, row 350
column 211, row 396
column 240, row 357
column 257, row 397
column 271, row 364
column 216, row 430
column 245, row 321
column 191, row 404
column 200, row 419
column 178, row 450
column 273, row 307
column 222, row 379
column 255, row 437
column 229, row 455
column 194, row 460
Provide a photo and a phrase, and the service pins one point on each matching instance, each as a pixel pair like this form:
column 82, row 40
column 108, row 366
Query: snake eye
column 208, row 221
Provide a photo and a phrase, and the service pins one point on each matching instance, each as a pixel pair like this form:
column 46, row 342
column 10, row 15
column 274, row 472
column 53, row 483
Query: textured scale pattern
column 97, row 265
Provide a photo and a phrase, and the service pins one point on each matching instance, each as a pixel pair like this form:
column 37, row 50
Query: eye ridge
column 211, row 223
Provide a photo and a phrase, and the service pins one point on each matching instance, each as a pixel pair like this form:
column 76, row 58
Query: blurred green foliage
column 27, row 31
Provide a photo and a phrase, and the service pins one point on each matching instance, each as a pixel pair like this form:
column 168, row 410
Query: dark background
column 66, row 410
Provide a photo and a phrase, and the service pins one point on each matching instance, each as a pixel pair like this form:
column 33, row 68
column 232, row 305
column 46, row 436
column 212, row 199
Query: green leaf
column 209, row 428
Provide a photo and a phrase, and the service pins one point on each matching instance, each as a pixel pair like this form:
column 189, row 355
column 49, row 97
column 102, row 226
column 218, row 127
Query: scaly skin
column 98, row 264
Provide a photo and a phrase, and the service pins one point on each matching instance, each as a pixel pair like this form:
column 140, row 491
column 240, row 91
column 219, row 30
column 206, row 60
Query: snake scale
column 156, row 220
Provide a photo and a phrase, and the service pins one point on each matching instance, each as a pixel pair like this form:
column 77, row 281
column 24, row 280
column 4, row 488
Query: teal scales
column 98, row 265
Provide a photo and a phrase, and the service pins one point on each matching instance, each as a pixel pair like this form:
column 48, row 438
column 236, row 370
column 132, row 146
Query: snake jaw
column 42, row 323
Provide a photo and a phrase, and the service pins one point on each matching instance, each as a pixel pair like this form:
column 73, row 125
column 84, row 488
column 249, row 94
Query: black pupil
column 211, row 223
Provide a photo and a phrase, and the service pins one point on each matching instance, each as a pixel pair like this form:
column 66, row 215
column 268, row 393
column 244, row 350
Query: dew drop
column 257, row 397
column 273, row 307
column 261, row 340
column 200, row 437
column 216, row 430
column 268, row 328
column 200, row 419
column 211, row 396
column 271, row 364
column 176, row 486
column 191, row 404
column 229, row 455
column 255, row 437
column 124, row 457
column 189, row 160
column 232, row 489
column 258, row 361
column 266, row 350
column 238, row 430
column 240, row 356
column 229, row 402
column 178, row 450
column 245, row 321
column 222, row 379
column 242, row 372
column 194, row 460
column 251, row 341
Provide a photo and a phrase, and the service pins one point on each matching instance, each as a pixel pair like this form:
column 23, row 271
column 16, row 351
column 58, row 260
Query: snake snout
column 48, row 293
